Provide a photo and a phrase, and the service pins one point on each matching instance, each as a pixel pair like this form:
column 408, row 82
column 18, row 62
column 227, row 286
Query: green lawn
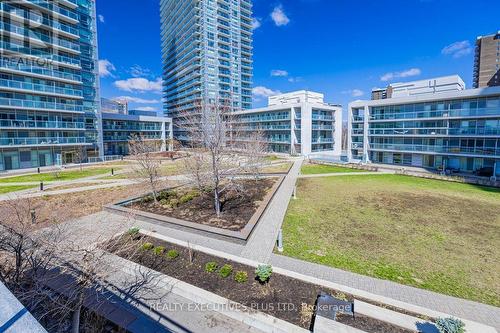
column 430, row 234
column 10, row 189
column 316, row 169
column 63, row 176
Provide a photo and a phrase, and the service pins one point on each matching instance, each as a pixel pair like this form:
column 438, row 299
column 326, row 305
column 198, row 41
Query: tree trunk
column 75, row 326
column 217, row 202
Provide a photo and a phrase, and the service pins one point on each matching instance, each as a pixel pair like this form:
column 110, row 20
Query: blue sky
column 342, row 48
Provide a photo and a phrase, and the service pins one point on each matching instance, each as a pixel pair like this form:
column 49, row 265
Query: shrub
column 211, row 267
column 450, row 325
column 264, row 272
column 159, row 250
column 172, row 254
column 147, row 246
column 186, row 198
column 241, row 277
column 166, row 195
column 174, row 203
column 133, row 231
column 226, row 270
column 164, row 202
column 147, row 199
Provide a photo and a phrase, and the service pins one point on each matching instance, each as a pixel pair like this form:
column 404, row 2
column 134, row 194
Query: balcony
column 40, row 88
column 456, row 113
column 21, row 50
column 321, row 140
column 437, row 149
column 28, row 124
column 43, row 141
column 322, row 128
column 41, row 71
column 49, row 6
column 321, row 117
column 27, row 104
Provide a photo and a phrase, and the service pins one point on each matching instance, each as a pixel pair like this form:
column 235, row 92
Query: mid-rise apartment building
column 114, row 106
column 49, row 97
column 458, row 129
column 297, row 123
column 414, row 88
column 207, row 54
column 118, row 129
column 487, row 61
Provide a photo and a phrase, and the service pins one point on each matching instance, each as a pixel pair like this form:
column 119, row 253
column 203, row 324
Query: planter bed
column 283, row 297
column 184, row 208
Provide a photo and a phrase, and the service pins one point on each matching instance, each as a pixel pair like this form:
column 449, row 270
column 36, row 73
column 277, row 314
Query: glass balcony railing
column 39, row 36
column 128, row 137
column 436, row 149
column 266, row 128
column 17, row 48
column 50, row 5
column 41, row 124
column 131, row 128
column 40, row 88
column 40, row 105
column 321, row 117
column 322, row 140
column 42, row 141
column 322, row 127
column 40, row 71
column 474, row 131
column 435, row 131
column 262, row 118
column 493, row 111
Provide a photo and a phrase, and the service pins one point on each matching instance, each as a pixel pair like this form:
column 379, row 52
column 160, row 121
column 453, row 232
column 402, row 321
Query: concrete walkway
column 482, row 313
column 263, row 239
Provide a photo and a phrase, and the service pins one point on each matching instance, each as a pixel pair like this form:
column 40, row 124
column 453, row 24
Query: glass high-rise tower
column 49, row 96
column 207, row 53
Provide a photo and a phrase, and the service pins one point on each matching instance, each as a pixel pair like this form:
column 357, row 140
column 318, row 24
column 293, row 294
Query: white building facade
column 458, row 130
column 298, row 123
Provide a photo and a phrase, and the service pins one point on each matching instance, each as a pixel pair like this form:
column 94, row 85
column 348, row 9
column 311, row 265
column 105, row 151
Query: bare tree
column 147, row 166
column 216, row 146
column 255, row 148
column 54, row 272
column 80, row 156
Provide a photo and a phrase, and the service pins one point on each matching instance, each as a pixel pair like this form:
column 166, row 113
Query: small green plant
column 241, row 277
column 225, row 271
column 450, row 325
column 174, row 203
column 159, row 250
column 211, row 267
column 186, row 198
column 147, row 247
column 172, row 254
column 264, row 272
column 133, row 231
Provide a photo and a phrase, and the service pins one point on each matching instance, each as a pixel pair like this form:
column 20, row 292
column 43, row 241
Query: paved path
column 263, row 239
column 474, row 311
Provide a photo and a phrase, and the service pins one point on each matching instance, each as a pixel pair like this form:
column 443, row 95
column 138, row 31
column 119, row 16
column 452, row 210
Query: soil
column 238, row 208
column 282, row 297
column 52, row 209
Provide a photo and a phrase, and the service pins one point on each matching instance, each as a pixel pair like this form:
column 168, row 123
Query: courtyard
column 434, row 235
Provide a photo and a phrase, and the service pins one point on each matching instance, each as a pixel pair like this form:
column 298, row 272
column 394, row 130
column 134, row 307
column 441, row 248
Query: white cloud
column 139, row 84
column 256, row 24
column 458, row 49
column 101, row 18
column 354, row 92
column 106, row 68
column 262, row 91
column 138, row 71
column 279, row 17
column 295, row 79
column 279, row 72
column 398, row 75
column 146, row 108
column 137, row 100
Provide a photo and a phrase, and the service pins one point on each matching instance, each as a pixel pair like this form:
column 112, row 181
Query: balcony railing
column 42, row 141
column 55, row 8
column 41, row 124
column 434, row 131
column 40, row 71
column 21, row 103
column 436, row 149
column 40, row 88
column 322, row 140
column 494, row 111
column 16, row 48
column 321, row 117
column 322, row 127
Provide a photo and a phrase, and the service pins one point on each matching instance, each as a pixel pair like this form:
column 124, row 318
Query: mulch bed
column 237, row 209
column 283, row 297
